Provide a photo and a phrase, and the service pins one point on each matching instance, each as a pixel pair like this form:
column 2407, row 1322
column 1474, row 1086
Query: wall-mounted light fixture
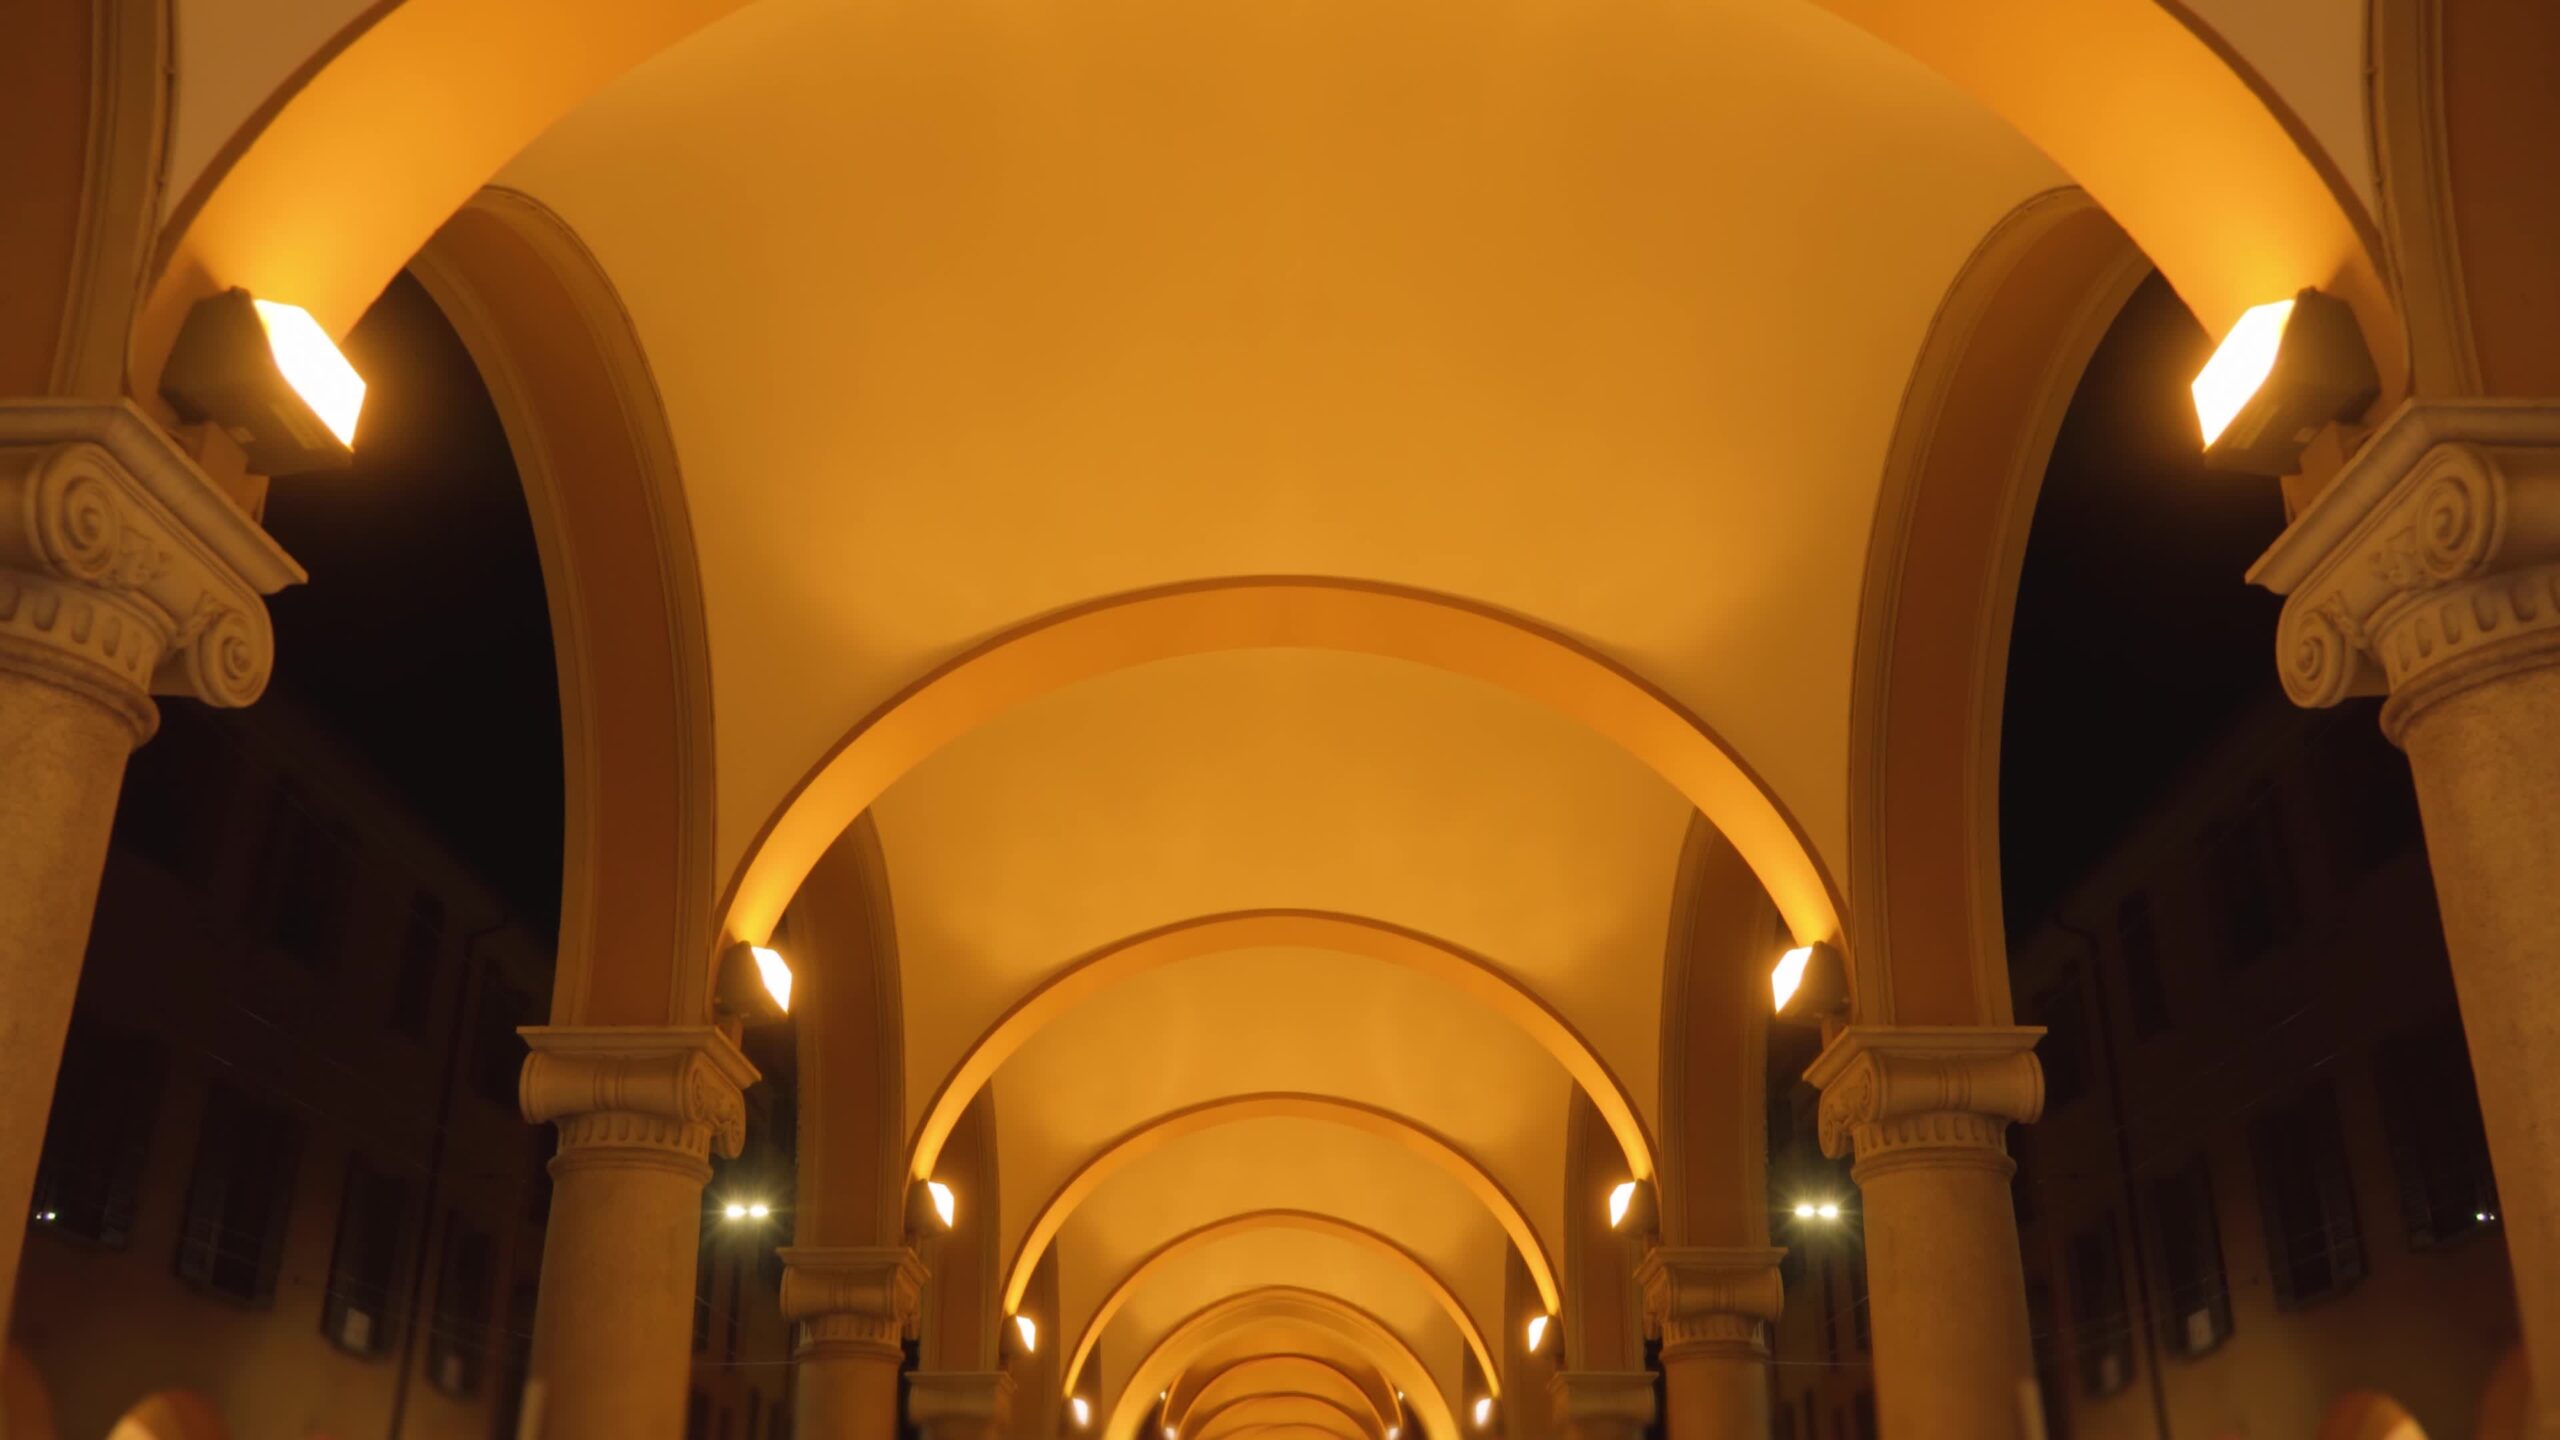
column 754, row 984
column 1809, row 984
column 1631, row 1207
column 1027, row 1330
column 270, row 377
column 1082, row 1410
column 1538, row 1331
column 932, row 1209
column 1484, row 1411
column 737, row 1210
column 2286, row 369
column 1817, row 1210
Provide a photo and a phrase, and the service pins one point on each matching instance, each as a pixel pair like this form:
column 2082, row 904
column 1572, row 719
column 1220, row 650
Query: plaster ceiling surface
column 1265, row 1335
column 1260, row 1259
column 965, row 310
column 1275, row 779
column 1371, row 1409
column 1282, row 1164
column 1282, row 1021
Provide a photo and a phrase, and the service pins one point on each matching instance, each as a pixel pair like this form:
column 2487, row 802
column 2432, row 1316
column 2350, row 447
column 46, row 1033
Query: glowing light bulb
column 1484, row 1411
column 759, row 1211
column 944, row 1203
column 310, row 363
column 1788, row 975
column 1804, row 1209
column 1537, row 1332
column 2240, row 364
column 776, row 972
column 1828, row 1211
column 1083, row 1411
column 1029, row 1330
column 734, row 1211
column 1622, row 1198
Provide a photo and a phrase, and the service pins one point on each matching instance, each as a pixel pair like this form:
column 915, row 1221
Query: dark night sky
column 423, row 637
column 2136, row 640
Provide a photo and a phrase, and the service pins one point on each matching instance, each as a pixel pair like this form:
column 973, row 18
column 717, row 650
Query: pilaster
column 851, row 1299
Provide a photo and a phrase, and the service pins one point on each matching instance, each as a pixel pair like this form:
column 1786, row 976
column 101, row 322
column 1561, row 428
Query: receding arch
column 1249, row 1414
column 1191, row 1120
column 1292, row 1371
column 1478, row 978
column 1303, row 1220
column 1302, row 1429
column 564, row 366
column 1978, row 422
column 1358, row 617
column 1295, row 1308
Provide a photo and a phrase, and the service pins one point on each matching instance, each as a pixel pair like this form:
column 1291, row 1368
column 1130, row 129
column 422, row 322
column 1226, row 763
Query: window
column 104, row 1100
column 2101, row 1330
column 2138, row 942
column 2250, row 873
column 413, row 988
column 2064, row 1050
column 2197, row 1314
column 302, row 884
column 2307, row 1199
column 2439, row 1146
column 466, row 1283
column 367, row 1265
column 240, row 1197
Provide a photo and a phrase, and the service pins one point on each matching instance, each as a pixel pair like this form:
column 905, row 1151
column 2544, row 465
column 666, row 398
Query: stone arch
column 1478, row 978
column 2471, row 209
column 1724, row 935
column 1288, row 612
column 564, row 366
column 1978, row 421
column 1248, row 1412
column 1296, row 1309
column 1167, row 1128
column 332, row 183
column 1296, row 1372
column 1361, row 1235
column 850, row 1033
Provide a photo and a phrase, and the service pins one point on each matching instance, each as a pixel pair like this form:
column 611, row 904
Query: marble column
column 960, row 1405
column 1712, row 1308
column 849, row 1309
column 2429, row 570
column 1926, row 1110
column 1601, row 1404
column 124, row 574
column 639, row 1111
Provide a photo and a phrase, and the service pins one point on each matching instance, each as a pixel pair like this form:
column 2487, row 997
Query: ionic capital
column 1901, row 1096
column 637, row 1095
column 124, row 573
column 1602, row 1404
column 2430, row 564
column 960, row 1404
column 851, row 1299
column 1699, row 1298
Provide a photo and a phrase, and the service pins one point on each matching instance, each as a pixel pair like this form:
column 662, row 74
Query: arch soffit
column 1302, row 1220
column 564, row 366
column 1255, row 1374
column 1117, row 632
column 1478, row 978
column 1996, row 372
column 1174, row 1125
column 332, row 183
column 1288, row 1306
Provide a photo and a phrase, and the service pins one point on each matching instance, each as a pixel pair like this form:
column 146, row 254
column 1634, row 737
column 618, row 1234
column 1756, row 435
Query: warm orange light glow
column 1537, row 1332
column 1622, row 1197
column 2240, row 364
column 1789, row 974
column 1029, row 1330
column 1484, row 1411
column 777, row 975
column 945, row 1204
column 312, row 365
column 1083, row 1410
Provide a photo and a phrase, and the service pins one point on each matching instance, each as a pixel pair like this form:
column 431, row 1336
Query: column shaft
column 639, row 1111
column 1926, row 1110
column 1712, row 1395
column 62, row 758
column 2487, row 765
column 845, row 1394
column 849, row 1307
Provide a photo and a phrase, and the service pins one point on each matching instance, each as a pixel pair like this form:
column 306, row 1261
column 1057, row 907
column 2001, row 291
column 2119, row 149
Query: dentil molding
column 1926, row 1095
column 862, row 1297
column 2431, row 563
column 124, row 573
column 637, row 1095
column 1718, row 1297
